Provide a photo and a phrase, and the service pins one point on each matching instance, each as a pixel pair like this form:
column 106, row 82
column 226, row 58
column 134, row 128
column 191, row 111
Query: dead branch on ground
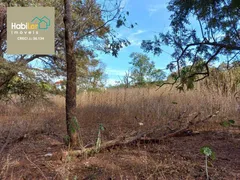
column 139, row 136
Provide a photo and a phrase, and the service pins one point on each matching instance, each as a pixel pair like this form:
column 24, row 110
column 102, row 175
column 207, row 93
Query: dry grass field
column 31, row 136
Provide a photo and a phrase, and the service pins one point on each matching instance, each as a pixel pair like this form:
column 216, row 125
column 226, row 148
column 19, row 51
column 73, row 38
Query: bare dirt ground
column 174, row 158
column 31, row 138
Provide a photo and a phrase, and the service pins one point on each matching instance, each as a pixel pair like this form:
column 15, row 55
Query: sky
column 152, row 18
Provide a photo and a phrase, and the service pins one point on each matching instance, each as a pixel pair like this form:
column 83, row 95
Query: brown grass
column 120, row 111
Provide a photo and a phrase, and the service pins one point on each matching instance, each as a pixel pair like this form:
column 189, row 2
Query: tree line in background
column 223, row 79
column 219, row 36
column 142, row 72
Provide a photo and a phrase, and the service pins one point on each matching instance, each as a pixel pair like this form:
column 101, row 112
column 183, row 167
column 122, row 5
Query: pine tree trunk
column 71, row 78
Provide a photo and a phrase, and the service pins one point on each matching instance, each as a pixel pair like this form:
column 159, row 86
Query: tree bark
column 71, row 78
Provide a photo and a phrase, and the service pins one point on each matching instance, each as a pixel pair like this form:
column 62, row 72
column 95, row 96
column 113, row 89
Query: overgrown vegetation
column 121, row 112
column 134, row 130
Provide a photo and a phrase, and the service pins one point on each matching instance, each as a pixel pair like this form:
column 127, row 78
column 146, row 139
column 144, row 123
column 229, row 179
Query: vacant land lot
column 32, row 136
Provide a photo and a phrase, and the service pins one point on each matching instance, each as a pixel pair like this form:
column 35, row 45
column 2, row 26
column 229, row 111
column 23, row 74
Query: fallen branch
column 136, row 136
column 120, row 141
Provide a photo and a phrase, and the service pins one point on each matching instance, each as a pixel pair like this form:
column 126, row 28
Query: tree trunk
column 71, row 120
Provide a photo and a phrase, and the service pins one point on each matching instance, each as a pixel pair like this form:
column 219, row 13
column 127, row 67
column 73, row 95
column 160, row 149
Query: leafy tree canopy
column 143, row 70
column 90, row 27
column 216, row 36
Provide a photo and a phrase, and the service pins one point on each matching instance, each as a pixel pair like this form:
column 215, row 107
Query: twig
column 7, row 140
column 35, row 166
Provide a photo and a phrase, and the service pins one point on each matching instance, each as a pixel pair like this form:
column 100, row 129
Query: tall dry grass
column 20, row 121
column 119, row 110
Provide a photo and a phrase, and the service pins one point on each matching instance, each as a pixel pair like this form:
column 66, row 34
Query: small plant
column 74, row 126
column 99, row 141
column 227, row 123
column 207, row 151
column 66, row 139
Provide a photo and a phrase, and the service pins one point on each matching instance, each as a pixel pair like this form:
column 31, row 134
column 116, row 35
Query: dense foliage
column 92, row 32
column 143, row 70
column 216, row 37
